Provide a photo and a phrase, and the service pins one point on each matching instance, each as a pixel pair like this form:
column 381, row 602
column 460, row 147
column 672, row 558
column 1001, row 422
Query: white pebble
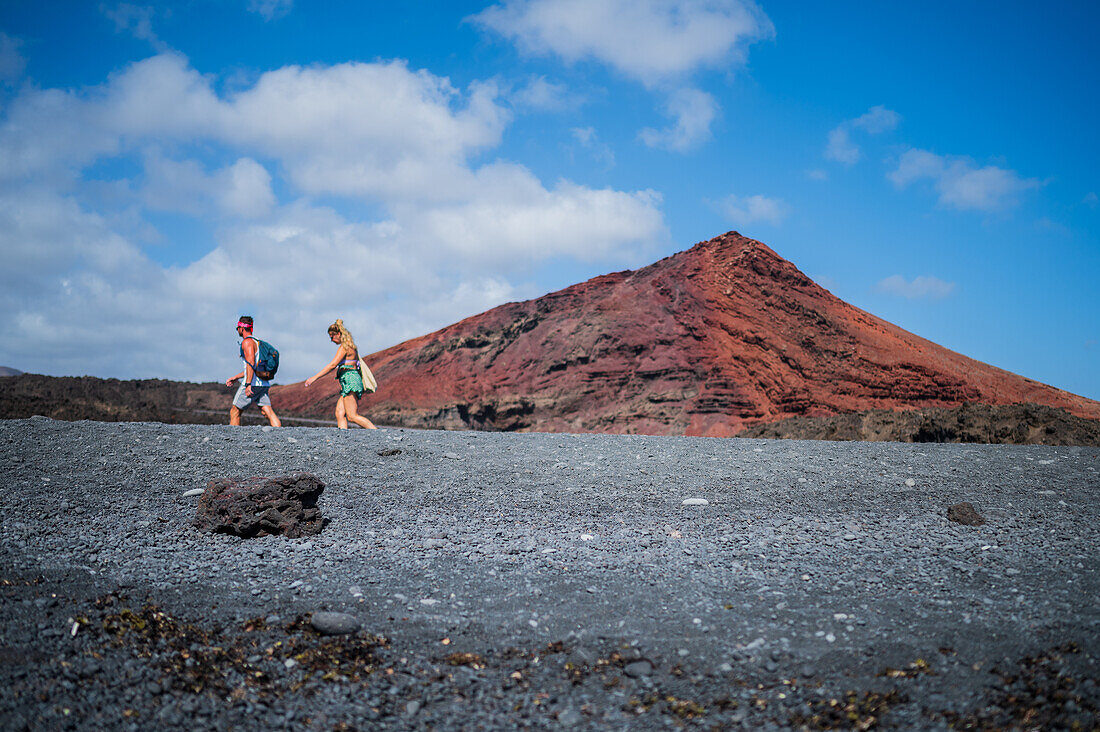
column 587, row 537
column 910, row 482
column 695, row 502
column 194, row 492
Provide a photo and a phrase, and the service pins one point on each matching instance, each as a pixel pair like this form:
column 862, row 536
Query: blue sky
column 167, row 166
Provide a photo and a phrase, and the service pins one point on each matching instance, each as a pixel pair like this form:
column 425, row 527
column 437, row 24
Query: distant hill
column 1013, row 424
column 9, row 371
column 709, row 341
column 157, row 400
column 114, row 400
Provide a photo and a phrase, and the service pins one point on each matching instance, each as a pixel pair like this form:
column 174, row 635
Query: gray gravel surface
column 546, row 581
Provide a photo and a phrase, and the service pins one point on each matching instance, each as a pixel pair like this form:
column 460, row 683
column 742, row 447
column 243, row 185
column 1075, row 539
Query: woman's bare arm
column 331, row 365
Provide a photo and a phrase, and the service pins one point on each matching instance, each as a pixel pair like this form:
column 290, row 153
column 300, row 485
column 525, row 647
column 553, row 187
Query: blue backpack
column 267, row 359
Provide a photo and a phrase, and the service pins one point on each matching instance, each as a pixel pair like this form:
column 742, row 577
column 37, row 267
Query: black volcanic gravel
column 547, row 581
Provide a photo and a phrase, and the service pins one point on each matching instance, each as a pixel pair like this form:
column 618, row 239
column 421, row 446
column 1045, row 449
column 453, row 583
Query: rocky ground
column 537, row 580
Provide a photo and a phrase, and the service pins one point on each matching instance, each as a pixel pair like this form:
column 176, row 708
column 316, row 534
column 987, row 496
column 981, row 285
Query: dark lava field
column 543, row 581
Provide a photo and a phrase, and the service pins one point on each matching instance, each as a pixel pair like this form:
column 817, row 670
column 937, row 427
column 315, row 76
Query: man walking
column 253, row 390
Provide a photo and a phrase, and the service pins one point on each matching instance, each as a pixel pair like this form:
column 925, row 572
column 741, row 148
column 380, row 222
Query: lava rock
column 262, row 506
column 964, row 513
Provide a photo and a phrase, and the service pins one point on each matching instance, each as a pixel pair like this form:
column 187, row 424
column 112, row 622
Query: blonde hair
column 345, row 335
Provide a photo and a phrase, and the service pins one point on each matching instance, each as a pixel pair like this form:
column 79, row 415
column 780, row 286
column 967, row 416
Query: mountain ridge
column 708, row 341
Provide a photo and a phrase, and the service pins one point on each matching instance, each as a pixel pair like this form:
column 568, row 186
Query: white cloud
column 368, row 129
column 659, row 43
column 45, row 236
column 12, row 62
column 876, row 120
column 1091, row 199
column 540, row 95
column 138, row 21
column 817, row 174
column 693, row 112
column 242, row 189
column 589, row 140
column 649, row 40
column 270, row 9
column 919, row 288
column 352, row 129
column 79, row 298
column 747, row 210
column 515, row 219
column 586, row 136
column 841, row 148
column 959, row 183
column 444, row 239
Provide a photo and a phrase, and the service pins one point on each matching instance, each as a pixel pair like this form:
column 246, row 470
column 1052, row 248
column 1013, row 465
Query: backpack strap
column 255, row 360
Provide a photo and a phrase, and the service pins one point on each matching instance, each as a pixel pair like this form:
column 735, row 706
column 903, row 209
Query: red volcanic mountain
column 706, row 342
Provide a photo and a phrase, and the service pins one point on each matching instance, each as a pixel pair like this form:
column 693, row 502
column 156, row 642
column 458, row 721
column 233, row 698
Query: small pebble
column 569, row 718
column 329, row 623
column 639, row 668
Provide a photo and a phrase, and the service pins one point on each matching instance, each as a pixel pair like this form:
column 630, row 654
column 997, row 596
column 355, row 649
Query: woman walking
column 346, row 363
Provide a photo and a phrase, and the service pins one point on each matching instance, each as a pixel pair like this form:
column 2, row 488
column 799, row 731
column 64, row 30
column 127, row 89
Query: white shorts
column 259, row 397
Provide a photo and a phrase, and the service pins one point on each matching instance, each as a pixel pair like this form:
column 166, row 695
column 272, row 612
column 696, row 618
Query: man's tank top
column 256, row 380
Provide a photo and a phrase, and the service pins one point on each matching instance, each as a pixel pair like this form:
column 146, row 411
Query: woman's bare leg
column 341, row 415
column 351, row 406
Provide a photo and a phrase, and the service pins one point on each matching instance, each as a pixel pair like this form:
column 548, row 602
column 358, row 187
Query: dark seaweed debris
column 852, row 711
column 234, row 662
column 1039, row 693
